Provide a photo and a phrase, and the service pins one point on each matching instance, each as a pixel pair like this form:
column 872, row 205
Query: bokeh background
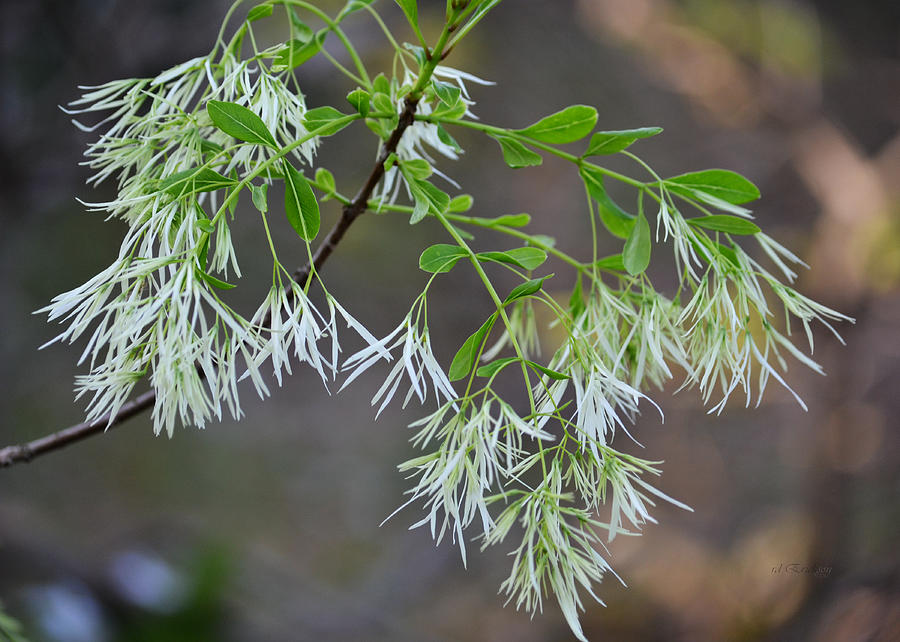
column 267, row 529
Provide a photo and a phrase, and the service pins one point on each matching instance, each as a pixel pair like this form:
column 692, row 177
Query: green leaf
column 461, row 203
column 353, row 5
column 410, row 10
column 636, row 255
column 438, row 200
column 194, row 180
column 259, row 11
column 298, row 51
column 420, row 210
column 723, row 184
column 205, row 226
column 614, row 262
column 447, row 139
column 259, row 194
column 725, row 223
column 455, row 111
column 576, row 301
column 516, row 154
column 325, row 179
column 213, row 281
column 440, row 258
column 614, row 218
column 526, row 289
column 615, row 141
column 416, row 169
column 527, row 258
column 300, row 205
column 239, row 122
column 494, row 367
column 321, row 117
column 447, row 93
column 381, row 85
column 553, row 374
column 304, row 31
column 566, row 126
column 360, row 99
column 383, row 104
column 468, row 353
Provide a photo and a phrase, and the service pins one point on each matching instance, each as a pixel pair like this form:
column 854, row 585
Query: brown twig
column 26, row 452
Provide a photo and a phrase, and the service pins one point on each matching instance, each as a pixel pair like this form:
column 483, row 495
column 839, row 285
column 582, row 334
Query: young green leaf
column 360, row 99
column 614, row 218
column 194, row 180
column 259, row 194
column 438, row 200
column 447, row 139
column 298, row 51
column 300, row 205
column 259, row 11
column 468, row 353
column 461, row 203
column 238, row 121
column 553, row 374
column 205, row 225
column 725, row 223
column 516, row 154
column 494, row 367
column 325, row 180
column 527, row 258
column 410, row 10
column 420, row 210
column 614, row 262
column 615, row 141
column 724, row 184
column 322, row 117
column 447, row 93
column 526, row 289
column 416, row 169
column 576, row 300
column 213, row 281
column 566, row 126
column 440, row 258
column 636, row 255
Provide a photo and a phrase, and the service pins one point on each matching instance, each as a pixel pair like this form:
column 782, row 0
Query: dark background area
column 267, row 529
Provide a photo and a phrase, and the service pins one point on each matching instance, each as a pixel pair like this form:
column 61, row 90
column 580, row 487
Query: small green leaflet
column 447, row 139
column 260, row 198
column 416, row 169
column 325, row 180
column 410, row 10
column 427, row 198
column 725, row 223
column 297, row 51
column 576, row 300
column 614, row 262
column 300, row 205
column 447, row 93
column 194, row 180
column 507, row 220
column 494, row 367
column 636, row 255
column 528, row 258
column 321, row 117
column 553, row 374
column 240, row 122
column 461, row 203
column 723, row 184
column 211, row 280
column 614, row 218
column 468, row 353
column 526, row 289
column 303, row 30
column 516, row 154
column 615, row 141
column 259, row 11
column 566, row 126
column 359, row 98
column 441, row 257
column 205, row 225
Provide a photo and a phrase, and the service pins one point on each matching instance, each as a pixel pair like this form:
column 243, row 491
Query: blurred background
column 267, row 529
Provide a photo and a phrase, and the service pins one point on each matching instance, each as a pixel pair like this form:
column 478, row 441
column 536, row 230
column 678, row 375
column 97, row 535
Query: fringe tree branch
column 26, row 452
